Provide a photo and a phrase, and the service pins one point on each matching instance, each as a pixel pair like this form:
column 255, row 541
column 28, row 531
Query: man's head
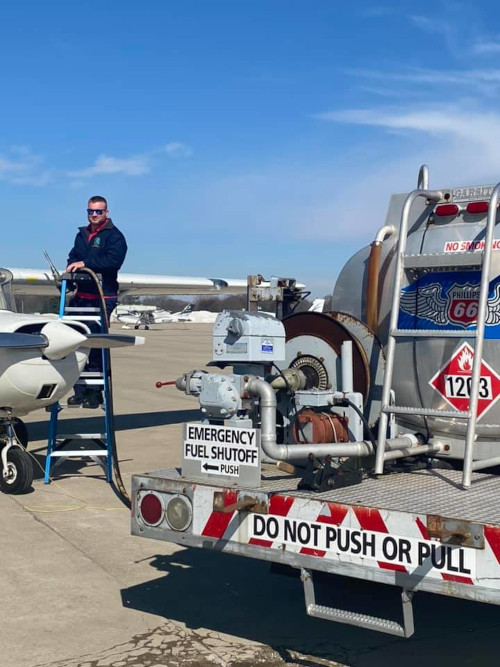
column 97, row 210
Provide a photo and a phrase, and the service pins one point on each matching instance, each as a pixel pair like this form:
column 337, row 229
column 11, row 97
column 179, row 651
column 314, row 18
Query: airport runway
column 79, row 591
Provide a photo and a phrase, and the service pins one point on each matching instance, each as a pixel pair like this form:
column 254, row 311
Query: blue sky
column 238, row 136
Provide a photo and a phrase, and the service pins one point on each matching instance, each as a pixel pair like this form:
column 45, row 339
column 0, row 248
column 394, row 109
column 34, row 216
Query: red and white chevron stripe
column 407, row 529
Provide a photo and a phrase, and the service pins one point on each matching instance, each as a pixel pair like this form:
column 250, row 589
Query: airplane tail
column 317, row 306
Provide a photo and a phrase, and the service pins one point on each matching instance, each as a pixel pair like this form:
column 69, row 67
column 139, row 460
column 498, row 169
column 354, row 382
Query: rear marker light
column 151, row 509
column 179, row 513
column 447, row 209
column 478, row 207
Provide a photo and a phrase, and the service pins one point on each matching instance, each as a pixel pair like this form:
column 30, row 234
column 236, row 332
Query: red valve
column 164, row 384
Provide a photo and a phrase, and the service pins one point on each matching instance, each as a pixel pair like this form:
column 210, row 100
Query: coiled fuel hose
column 117, row 481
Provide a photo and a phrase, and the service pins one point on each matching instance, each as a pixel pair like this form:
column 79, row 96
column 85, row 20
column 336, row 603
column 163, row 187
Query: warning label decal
column 454, row 381
column 412, row 553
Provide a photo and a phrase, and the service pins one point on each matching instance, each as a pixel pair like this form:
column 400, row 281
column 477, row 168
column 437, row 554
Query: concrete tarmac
column 79, row 591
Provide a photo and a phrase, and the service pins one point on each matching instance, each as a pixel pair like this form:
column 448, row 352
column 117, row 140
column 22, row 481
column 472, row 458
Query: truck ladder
column 481, row 260
column 102, row 452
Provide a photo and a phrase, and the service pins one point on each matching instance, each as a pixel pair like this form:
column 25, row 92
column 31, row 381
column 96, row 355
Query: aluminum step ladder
column 102, row 451
column 480, row 260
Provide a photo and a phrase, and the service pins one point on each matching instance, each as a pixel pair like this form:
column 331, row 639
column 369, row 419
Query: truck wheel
column 19, row 474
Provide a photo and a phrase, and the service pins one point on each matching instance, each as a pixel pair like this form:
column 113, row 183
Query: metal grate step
column 432, row 333
column 355, row 618
column 450, row 260
column 425, row 412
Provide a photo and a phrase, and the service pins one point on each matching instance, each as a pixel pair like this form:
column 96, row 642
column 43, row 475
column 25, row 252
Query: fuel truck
column 361, row 442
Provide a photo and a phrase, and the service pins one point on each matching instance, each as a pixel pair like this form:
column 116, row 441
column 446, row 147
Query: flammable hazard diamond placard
column 454, row 380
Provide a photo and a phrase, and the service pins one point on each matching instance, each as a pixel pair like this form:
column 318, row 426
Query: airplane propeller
column 15, row 340
column 58, row 340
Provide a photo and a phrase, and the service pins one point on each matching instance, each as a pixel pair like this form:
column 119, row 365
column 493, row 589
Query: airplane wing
column 41, row 282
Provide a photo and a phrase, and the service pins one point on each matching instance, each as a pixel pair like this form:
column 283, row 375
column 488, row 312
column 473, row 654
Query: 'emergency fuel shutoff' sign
column 454, row 381
column 233, row 454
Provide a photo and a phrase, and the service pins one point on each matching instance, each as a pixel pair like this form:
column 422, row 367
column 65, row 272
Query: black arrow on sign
column 207, row 466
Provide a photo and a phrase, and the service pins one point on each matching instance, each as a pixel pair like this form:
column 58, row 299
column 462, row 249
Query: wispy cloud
column 136, row 165
column 483, row 81
column 486, row 48
column 106, row 164
column 178, row 149
column 22, row 167
column 376, row 12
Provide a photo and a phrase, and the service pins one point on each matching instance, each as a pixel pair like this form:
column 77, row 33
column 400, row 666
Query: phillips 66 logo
column 463, row 304
column 447, row 303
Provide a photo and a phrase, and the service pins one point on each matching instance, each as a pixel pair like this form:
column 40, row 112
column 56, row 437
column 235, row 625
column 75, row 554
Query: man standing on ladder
column 101, row 247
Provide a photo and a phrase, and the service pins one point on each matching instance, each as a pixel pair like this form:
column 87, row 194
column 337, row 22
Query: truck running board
column 354, row 618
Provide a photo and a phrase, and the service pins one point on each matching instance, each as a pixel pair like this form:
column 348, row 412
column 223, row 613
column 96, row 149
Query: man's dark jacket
column 104, row 254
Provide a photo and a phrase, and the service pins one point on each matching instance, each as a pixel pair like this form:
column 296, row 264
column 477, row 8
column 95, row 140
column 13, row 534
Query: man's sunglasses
column 97, row 211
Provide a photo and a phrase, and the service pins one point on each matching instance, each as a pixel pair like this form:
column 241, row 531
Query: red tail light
column 446, row 209
column 151, row 509
column 478, row 207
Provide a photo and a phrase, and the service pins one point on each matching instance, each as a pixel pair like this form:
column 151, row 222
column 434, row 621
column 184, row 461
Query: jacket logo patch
column 97, row 242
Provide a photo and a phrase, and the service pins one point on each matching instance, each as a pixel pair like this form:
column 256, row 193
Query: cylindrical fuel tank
column 433, row 372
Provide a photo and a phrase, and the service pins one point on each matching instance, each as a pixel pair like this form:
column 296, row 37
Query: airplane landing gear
column 16, row 470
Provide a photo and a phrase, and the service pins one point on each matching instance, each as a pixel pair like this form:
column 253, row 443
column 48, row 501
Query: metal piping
column 346, row 366
column 384, row 233
column 373, row 276
column 423, row 178
column 258, row 387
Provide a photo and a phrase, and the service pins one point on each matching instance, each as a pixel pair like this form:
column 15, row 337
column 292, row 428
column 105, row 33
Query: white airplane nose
column 62, row 340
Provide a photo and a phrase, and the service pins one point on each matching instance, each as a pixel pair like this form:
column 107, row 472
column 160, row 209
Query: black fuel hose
column 117, row 482
column 368, row 431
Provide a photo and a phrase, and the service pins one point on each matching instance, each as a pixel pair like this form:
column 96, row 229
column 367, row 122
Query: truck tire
column 19, row 473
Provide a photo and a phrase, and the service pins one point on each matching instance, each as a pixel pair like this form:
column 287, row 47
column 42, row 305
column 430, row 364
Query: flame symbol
column 465, row 361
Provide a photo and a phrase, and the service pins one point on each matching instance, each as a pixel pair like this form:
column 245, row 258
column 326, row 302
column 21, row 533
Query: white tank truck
column 360, row 442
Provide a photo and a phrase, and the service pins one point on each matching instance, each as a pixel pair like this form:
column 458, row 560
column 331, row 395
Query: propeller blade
column 22, row 340
column 100, row 341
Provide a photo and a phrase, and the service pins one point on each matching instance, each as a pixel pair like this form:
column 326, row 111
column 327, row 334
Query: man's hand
column 75, row 266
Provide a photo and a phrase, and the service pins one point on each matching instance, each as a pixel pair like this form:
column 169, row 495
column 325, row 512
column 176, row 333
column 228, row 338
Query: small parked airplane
column 137, row 316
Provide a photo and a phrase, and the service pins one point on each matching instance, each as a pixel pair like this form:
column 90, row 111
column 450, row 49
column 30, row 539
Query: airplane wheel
column 136, row 326
column 19, row 474
column 147, row 327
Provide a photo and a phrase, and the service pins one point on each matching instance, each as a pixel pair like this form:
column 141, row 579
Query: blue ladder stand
column 56, row 446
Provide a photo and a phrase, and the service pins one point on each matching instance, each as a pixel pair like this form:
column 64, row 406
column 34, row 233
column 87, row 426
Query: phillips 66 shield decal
column 449, row 300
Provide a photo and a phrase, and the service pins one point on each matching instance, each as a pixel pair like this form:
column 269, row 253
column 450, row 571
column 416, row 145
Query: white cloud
column 178, row 149
column 22, row 167
column 486, row 48
column 106, row 164
column 456, row 121
column 377, row 11
column 135, row 165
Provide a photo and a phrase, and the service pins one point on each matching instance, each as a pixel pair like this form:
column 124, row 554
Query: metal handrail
column 432, row 195
column 480, row 327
